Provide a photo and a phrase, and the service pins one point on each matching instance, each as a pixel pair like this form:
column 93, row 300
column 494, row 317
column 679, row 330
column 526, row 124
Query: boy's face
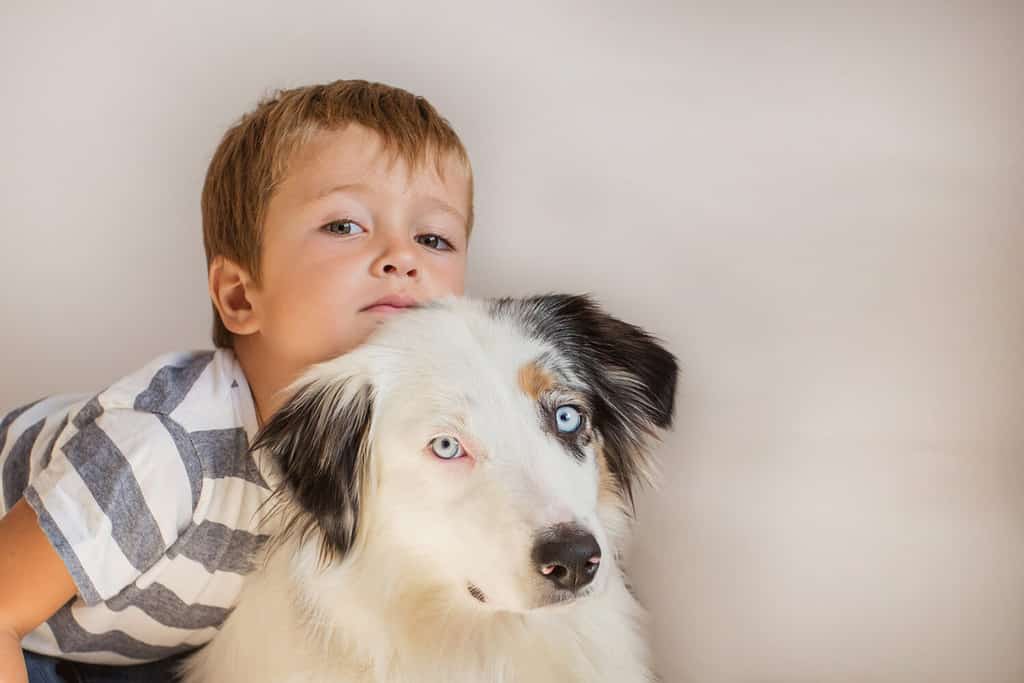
column 350, row 226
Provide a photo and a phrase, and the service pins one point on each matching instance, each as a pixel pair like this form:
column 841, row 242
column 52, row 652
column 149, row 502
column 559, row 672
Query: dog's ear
column 320, row 443
column 630, row 376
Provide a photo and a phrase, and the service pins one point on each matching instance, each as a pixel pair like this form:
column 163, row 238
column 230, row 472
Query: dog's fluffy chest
column 287, row 639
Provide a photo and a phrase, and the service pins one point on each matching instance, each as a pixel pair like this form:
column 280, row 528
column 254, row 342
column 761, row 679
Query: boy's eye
column 343, row 227
column 435, row 242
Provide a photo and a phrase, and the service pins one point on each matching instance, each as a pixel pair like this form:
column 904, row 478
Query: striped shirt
column 148, row 493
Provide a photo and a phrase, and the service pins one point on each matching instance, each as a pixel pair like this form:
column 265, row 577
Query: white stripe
column 233, row 502
column 40, row 640
column 50, row 649
column 157, row 466
column 48, row 406
column 190, row 581
column 204, row 407
column 41, row 449
column 139, row 625
column 58, row 406
column 85, row 526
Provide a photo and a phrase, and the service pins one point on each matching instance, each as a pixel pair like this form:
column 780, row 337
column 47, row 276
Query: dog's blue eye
column 568, row 419
column 446, row 447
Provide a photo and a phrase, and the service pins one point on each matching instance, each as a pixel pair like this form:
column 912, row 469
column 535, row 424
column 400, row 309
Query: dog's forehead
column 464, row 341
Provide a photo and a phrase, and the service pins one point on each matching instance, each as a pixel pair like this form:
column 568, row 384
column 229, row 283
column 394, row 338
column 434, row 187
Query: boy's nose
column 396, row 262
column 397, row 270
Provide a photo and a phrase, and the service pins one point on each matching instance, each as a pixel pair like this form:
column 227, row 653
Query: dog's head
column 487, row 446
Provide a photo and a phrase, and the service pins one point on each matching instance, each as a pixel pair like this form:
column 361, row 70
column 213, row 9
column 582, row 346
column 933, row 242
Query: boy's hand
column 34, row 583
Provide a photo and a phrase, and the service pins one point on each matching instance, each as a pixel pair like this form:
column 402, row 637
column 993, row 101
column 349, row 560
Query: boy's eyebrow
column 344, row 187
column 447, row 208
column 436, row 201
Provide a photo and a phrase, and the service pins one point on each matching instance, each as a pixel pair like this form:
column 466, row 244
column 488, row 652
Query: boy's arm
column 34, row 584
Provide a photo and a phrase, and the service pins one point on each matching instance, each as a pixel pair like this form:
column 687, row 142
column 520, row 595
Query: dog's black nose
column 568, row 556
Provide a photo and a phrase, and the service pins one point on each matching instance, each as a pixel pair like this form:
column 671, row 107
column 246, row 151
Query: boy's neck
column 267, row 377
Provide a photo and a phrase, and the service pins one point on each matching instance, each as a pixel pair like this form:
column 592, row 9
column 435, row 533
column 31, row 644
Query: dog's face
column 486, row 446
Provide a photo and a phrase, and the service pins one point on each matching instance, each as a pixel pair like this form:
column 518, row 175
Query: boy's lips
column 390, row 304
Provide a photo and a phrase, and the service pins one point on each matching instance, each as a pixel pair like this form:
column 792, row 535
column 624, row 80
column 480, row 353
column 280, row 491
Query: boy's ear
column 231, row 291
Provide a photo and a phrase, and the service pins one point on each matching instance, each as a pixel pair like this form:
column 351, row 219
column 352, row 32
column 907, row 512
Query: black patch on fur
column 477, row 593
column 629, row 378
column 318, row 441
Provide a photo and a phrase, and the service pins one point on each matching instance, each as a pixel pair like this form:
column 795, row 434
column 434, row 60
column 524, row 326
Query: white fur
column 395, row 608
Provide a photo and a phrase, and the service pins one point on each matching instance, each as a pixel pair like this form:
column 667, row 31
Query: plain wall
column 817, row 206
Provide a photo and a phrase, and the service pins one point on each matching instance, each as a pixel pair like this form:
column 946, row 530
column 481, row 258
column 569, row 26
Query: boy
column 131, row 516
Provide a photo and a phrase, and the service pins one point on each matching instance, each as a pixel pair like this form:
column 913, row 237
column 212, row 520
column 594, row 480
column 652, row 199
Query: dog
column 453, row 499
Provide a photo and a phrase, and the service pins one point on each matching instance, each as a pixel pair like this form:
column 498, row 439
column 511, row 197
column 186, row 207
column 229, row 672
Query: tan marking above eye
column 535, row 380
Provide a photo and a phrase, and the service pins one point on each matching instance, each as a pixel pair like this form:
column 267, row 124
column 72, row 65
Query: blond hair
column 252, row 158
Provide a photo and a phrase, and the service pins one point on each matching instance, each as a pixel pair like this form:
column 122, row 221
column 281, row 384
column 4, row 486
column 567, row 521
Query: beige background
column 819, row 208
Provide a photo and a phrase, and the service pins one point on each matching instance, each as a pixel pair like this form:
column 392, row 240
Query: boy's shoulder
column 191, row 394
column 200, row 400
column 197, row 389
column 160, row 385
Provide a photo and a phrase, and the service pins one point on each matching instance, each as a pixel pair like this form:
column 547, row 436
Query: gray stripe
column 218, row 547
column 48, row 453
column 164, row 606
column 9, row 419
column 108, row 475
column 71, row 637
column 63, row 548
column 88, row 413
column 16, row 467
column 171, row 383
column 225, row 453
column 189, row 457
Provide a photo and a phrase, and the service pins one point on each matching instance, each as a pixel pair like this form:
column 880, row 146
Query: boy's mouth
column 390, row 304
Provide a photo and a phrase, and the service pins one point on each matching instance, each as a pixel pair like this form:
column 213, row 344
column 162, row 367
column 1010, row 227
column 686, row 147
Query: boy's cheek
column 447, row 282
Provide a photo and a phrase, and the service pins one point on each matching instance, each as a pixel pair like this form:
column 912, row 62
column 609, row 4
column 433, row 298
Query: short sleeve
column 118, row 489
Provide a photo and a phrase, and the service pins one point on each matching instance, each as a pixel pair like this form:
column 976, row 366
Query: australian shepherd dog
column 452, row 503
